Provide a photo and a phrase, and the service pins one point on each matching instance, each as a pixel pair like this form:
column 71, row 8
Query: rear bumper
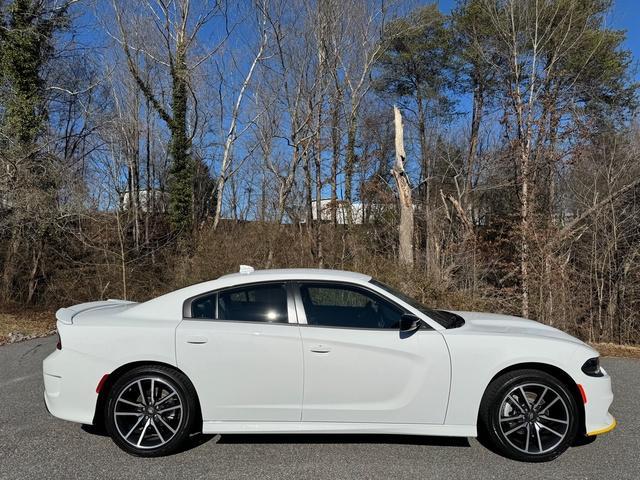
column 69, row 387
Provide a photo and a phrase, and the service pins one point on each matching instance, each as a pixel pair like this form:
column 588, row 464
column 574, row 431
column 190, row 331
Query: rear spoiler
column 65, row 315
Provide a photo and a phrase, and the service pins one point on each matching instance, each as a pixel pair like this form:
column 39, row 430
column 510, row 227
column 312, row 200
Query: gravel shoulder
column 18, row 325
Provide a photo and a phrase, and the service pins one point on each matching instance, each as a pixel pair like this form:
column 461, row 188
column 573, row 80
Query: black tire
column 169, row 412
column 534, row 441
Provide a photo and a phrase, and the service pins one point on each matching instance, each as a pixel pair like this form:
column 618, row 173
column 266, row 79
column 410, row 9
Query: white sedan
column 320, row 351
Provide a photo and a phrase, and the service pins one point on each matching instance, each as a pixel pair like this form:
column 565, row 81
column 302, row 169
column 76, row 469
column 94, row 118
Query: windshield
column 444, row 318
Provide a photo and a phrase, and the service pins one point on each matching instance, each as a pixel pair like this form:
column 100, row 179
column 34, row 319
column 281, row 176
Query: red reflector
column 102, row 382
column 582, row 393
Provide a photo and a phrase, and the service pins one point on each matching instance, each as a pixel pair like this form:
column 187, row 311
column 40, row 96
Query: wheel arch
column 554, row 371
column 103, row 395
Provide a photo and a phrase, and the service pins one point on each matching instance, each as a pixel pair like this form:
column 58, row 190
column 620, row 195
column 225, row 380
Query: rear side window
column 254, row 303
column 204, row 307
column 339, row 305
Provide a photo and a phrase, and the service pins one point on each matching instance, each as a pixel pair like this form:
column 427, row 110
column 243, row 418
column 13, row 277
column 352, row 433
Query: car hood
column 494, row 323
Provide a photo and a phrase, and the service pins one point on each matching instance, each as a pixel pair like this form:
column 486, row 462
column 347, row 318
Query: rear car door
column 359, row 367
column 242, row 350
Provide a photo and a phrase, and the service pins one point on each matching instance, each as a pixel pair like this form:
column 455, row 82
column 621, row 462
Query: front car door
column 242, row 350
column 358, row 365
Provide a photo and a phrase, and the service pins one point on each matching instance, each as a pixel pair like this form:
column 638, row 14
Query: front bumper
column 599, row 397
column 607, row 429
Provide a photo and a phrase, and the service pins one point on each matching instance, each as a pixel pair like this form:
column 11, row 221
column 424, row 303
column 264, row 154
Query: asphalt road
column 35, row 445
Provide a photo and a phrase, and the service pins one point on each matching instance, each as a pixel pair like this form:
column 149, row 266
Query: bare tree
column 232, row 133
column 532, row 41
column 356, row 58
column 178, row 24
column 405, row 228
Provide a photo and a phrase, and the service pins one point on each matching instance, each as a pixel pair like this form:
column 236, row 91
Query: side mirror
column 409, row 323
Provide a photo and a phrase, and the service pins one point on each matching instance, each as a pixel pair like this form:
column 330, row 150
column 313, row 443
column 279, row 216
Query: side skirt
column 330, row 427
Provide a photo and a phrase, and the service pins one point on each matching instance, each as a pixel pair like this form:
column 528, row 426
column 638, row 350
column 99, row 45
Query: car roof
column 171, row 303
column 295, row 274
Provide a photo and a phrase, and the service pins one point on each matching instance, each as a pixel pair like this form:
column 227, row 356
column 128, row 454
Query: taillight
column 59, row 343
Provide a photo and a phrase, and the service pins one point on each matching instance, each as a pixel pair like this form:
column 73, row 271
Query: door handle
column 197, row 339
column 320, row 349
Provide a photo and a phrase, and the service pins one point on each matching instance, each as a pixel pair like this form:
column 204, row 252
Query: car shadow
column 198, row 439
column 365, row 438
column 580, row 441
column 195, row 440
column 95, row 430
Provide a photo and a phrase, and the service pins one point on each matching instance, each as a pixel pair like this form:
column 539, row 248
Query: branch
column 144, row 87
column 569, row 229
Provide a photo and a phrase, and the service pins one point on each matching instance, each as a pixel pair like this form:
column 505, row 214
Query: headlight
column 592, row 367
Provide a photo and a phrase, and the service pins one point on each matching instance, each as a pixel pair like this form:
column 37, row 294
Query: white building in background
column 156, row 199
column 342, row 212
column 357, row 213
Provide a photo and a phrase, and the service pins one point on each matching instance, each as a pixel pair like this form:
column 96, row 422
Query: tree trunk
column 35, row 266
column 318, row 173
column 425, row 167
column 286, row 184
column 231, row 134
column 132, row 151
column 476, row 115
column 335, row 147
column 10, row 266
column 149, row 202
column 308, row 187
column 405, row 229
column 554, row 122
column 524, row 232
column 349, row 167
column 422, row 137
column 181, row 188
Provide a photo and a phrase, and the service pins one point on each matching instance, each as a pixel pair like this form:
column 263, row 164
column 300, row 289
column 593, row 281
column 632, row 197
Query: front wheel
column 529, row 416
column 150, row 411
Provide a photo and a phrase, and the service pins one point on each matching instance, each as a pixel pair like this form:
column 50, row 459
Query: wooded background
column 146, row 145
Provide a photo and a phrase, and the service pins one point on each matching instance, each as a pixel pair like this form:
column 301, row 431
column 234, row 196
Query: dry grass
column 23, row 325
column 613, row 350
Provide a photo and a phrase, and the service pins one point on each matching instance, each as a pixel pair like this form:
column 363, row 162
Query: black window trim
column 302, row 315
column 292, row 318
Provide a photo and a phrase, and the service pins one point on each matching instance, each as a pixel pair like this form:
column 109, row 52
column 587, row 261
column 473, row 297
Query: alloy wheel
column 534, row 418
column 148, row 412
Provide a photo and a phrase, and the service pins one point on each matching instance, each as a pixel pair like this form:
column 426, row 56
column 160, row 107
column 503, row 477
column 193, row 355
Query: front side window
column 254, row 303
column 444, row 318
column 338, row 305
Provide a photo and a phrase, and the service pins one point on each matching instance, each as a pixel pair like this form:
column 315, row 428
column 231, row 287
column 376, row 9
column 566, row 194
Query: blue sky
column 625, row 16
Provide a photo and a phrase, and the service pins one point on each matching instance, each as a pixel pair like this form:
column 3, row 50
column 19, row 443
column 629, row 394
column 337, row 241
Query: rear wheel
column 529, row 415
column 150, row 411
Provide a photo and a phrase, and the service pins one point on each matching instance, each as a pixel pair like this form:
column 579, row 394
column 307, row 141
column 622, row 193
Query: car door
column 242, row 350
column 358, row 365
